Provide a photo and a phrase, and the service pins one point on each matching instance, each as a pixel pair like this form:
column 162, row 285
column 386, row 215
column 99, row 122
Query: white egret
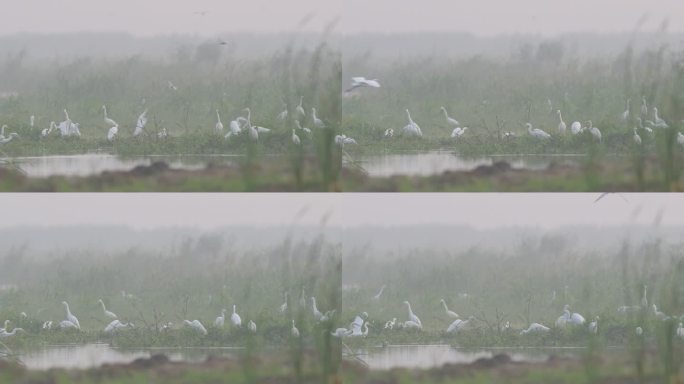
column 341, row 140
column 449, row 313
column 458, row 132
column 644, row 107
column 107, row 120
column 562, row 320
column 536, row 132
column 561, row 124
column 379, row 294
column 639, row 331
column 10, row 334
column 459, row 325
column 389, row 132
column 449, row 120
column 282, row 116
column 116, row 325
column 107, row 313
column 251, row 326
column 535, row 328
column 594, row 131
column 235, row 318
column 162, row 134
column 219, row 125
column 253, row 133
column 283, row 307
column 300, row 108
column 66, row 324
column 576, row 127
column 318, row 123
column 299, row 126
column 636, row 137
column 659, row 315
column 659, row 123
column 47, row 325
column 412, row 325
column 680, row 330
column 262, row 129
column 295, row 138
column 2, row 131
column 341, row 332
column 680, row 138
column 593, row 326
column 625, row 115
column 113, row 131
column 32, row 120
column 508, row 135
column 47, row 131
column 140, row 124
column 220, row 320
column 316, row 313
column 9, row 138
column 196, row 325
column 412, row 123
column 412, row 316
column 70, row 317
column 294, row 331
column 360, row 81
column 4, row 328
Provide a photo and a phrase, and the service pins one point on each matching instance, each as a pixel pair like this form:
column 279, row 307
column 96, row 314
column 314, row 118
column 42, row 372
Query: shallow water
column 430, row 163
column 427, row 356
column 412, row 164
column 93, row 164
column 94, row 355
column 393, row 356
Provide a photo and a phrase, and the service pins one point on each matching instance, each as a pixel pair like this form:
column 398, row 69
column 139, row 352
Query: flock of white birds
column 115, row 325
column 646, row 121
column 568, row 319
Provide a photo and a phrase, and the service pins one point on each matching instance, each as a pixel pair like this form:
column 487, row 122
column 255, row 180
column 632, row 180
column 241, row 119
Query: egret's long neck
column 103, row 306
column 560, row 116
column 445, row 113
column 104, row 109
column 445, row 306
column 409, row 116
column 218, row 117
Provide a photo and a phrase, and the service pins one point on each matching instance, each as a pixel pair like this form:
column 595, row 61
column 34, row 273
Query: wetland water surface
column 411, row 164
column 405, row 356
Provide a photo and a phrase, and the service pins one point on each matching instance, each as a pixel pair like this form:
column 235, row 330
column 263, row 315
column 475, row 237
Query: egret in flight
column 358, row 82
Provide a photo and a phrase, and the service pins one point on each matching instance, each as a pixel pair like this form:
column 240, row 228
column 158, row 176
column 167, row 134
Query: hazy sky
column 150, row 17
column 491, row 17
column 211, row 210
column 482, row 17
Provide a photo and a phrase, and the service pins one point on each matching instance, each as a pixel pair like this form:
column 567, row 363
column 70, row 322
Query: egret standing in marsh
column 300, row 108
column 536, row 132
column 318, row 123
column 140, row 124
column 594, row 131
column 576, row 127
column 107, row 120
column 450, row 121
column 235, row 318
column 5, row 140
column 196, row 325
column 448, row 312
column 636, row 137
column 412, row 316
column 219, row 125
column 458, row 132
column 107, row 313
column 295, row 138
column 113, row 131
column 220, row 320
column 561, row 124
column 294, row 331
column 70, row 317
